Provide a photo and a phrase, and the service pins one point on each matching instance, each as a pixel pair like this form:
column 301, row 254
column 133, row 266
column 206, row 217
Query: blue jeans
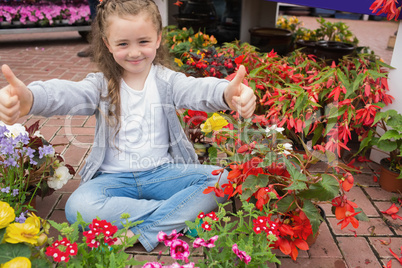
column 164, row 198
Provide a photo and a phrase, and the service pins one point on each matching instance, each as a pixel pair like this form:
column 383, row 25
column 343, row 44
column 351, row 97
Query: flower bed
column 44, row 13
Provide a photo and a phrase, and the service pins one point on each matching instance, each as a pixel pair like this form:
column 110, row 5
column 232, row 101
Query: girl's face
column 133, row 41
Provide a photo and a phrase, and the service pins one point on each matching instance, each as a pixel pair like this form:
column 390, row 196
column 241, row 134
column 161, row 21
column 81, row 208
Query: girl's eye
column 122, row 44
column 144, row 41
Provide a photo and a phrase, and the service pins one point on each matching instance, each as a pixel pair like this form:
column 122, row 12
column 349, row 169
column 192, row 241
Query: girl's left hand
column 240, row 97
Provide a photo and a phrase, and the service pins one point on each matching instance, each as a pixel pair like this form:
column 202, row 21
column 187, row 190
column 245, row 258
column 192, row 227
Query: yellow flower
column 215, row 122
column 23, row 232
column 7, row 214
column 178, row 62
column 33, row 219
column 18, row 262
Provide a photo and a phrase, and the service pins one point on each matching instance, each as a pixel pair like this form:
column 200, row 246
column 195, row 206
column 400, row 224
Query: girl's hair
column 104, row 59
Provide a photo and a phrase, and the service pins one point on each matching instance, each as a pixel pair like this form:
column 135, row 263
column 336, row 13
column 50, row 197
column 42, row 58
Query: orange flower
column 346, row 214
column 392, row 212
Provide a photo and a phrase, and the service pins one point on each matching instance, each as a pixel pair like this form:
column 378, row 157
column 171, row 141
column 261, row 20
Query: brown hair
column 104, row 59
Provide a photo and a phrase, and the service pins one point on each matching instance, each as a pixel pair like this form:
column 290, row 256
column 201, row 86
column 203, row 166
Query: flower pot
column 332, row 50
column 267, row 39
column 388, row 178
column 311, row 239
column 197, row 14
column 307, row 47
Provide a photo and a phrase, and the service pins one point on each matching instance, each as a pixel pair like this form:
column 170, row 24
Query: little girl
column 141, row 162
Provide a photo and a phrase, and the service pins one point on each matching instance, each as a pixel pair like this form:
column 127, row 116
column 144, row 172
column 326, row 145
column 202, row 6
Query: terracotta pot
column 311, row 239
column 388, row 178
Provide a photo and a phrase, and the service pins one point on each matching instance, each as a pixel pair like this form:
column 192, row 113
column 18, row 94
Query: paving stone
column 325, row 246
column 358, row 196
column 376, row 226
column 49, row 132
column 313, row 263
column 74, row 155
column 365, row 180
column 378, row 194
column 83, row 140
column 44, row 206
column 70, row 186
column 62, row 202
column 65, row 121
column 357, row 252
column 382, row 245
column 91, row 121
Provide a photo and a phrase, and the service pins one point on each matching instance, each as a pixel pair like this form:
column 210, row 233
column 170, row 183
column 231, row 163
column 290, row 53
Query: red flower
column 347, row 182
column 178, row 3
column 98, row 230
column 392, row 211
column 213, row 216
column 206, row 226
column 346, row 214
column 196, row 117
column 62, row 255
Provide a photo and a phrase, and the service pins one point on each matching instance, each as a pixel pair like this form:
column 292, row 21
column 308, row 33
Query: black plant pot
column 197, row 14
column 327, row 50
column 332, row 50
column 267, row 39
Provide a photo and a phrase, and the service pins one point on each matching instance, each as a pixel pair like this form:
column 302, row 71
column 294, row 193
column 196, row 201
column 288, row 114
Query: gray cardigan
column 89, row 96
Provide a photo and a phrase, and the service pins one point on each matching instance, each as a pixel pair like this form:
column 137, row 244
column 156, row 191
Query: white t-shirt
column 143, row 139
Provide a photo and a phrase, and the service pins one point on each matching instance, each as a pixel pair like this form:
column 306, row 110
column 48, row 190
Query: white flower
column 37, row 134
column 60, row 178
column 287, row 146
column 15, row 130
column 275, row 128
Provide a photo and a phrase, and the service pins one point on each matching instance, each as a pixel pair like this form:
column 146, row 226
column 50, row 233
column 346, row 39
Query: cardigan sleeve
column 63, row 97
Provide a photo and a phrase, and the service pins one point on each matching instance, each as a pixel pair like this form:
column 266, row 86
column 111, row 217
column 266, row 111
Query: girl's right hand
column 15, row 99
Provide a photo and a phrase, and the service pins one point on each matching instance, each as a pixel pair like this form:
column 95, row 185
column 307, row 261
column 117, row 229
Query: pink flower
column 179, row 250
column 241, row 254
column 176, row 265
column 168, row 239
column 199, row 242
column 152, row 265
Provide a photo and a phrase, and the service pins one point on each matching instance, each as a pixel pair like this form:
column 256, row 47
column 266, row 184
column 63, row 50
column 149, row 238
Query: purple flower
column 6, row 190
column 21, row 218
column 15, row 192
column 241, row 254
column 46, row 150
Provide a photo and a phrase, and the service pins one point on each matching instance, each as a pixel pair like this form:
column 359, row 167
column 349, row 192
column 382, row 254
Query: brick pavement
column 53, row 55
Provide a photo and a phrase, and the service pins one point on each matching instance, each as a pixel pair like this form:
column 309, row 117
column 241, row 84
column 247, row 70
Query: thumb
column 238, row 79
column 11, row 79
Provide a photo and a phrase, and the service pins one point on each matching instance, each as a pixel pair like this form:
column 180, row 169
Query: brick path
column 53, row 55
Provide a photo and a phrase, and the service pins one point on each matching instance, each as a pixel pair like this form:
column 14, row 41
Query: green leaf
column 286, row 204
column 40, row 263
column 390, row 134
column 252, row 184
column 387, row 145
column 313, row 214
column 361, row 216
column 10, row 251
column 2, row 232
column 325, row 189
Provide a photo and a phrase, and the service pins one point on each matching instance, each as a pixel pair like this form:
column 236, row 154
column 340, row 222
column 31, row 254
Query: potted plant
column 29, row 166
column 264, row 170
column 386, row 135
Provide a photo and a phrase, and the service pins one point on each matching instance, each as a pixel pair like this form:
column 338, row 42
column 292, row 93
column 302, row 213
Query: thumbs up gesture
column 15, row 98
column 240, row 97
